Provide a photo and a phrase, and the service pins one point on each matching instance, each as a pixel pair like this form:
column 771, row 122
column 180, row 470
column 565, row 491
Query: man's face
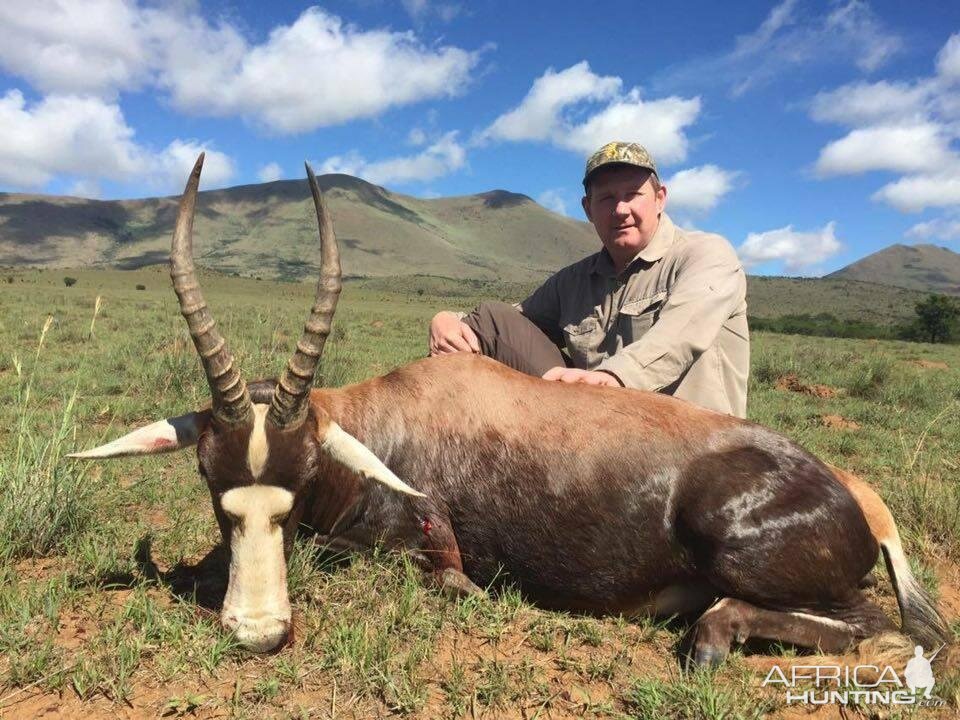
column 624, row 209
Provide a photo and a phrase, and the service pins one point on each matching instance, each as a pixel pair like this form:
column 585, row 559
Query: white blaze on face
column 258, row 449
column 256, row 606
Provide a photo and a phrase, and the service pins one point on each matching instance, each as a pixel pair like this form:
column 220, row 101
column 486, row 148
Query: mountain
column 928, row 268
column 270, row 230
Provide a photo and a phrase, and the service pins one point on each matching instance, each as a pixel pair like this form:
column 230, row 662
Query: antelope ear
column 353, row 454
column 159, row 437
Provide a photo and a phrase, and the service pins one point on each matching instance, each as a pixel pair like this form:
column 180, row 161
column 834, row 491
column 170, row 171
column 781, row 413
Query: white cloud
column 699, row 189
column 855, row 23
column 171, row 167
column 901, row 148
column 85, row 189
column 439, row 159
column 553, row 200
column 948, row 59
column 909, row 128
column 943, row 228
column 269, row 173
column 420, row 10
column 89, row 139
column 62, row 47
column 557, row 100
column 70, row 135
column 538, row 116
column 657, row 124
column 350, row 164
column 916, row 192
column 317, row 71
column 416, row 137
column 798, row 251
column 779, row 17
column 791, row 37
column 880, row 102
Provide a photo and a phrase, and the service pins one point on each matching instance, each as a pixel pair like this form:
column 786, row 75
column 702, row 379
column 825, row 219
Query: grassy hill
column 269, row 230
column 494, row 243
column 869, row 302
column 928, row 268
column 767, row 297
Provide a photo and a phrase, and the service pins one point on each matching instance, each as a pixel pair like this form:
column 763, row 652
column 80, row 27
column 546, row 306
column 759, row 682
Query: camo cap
column 623, row 153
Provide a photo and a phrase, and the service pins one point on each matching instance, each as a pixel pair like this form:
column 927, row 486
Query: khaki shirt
column 674, row 321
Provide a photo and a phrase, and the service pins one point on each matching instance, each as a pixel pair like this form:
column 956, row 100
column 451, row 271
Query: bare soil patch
column 791, row 383
column 930, row 364
column 837, row 422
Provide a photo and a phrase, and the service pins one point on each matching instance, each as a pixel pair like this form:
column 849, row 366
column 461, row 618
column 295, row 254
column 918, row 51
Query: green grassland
column 109, row 575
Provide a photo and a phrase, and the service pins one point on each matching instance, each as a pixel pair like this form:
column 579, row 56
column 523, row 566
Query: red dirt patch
column 791, row 383
column 838, row 423
column 930, row 364
column 949, row 588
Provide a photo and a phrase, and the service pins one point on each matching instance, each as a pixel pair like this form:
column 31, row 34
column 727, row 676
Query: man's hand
column 449, row 334
column 587, row 377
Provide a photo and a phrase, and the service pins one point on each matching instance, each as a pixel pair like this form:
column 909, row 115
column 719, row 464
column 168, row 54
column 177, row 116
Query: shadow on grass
column 203, row 583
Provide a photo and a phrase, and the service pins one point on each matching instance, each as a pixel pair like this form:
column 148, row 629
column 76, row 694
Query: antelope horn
column 231, row 401
column 289, row 406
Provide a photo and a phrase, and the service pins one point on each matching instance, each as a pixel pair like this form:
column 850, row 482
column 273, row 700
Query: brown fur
column 878, row 516
column 586, row 498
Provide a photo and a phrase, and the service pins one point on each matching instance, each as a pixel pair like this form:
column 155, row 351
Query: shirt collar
column 659, row 244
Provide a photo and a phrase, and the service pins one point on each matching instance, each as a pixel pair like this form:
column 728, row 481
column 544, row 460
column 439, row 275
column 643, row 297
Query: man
column 658, row 308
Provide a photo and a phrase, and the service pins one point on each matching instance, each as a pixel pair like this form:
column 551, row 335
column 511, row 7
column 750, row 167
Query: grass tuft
column 695, row 696
column 44, row 501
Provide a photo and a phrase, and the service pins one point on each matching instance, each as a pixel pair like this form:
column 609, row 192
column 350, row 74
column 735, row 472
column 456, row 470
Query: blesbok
column 588, row 498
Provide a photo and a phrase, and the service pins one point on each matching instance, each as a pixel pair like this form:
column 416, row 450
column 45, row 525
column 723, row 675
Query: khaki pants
column 508, row 336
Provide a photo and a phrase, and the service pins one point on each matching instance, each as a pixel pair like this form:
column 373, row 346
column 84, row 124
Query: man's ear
column 661, row 198
column 585, row 203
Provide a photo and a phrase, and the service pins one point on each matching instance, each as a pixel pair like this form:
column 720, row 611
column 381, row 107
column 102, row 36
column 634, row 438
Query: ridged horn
column 231, row 401
column 289, row 406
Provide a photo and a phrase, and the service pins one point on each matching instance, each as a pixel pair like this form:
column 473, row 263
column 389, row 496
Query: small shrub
column 870, row 375
column 69, row 281
column 141, row 287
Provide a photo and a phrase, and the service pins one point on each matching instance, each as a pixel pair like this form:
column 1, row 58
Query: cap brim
column 614, row 163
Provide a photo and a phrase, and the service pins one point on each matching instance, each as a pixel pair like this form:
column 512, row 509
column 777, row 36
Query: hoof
column 706, row 656
column 455, row 584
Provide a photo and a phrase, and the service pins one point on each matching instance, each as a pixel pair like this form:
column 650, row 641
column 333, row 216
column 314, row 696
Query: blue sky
column 808, row 132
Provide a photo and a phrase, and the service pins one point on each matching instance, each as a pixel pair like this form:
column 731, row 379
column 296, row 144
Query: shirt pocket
column 638, row 316
column 582, row 340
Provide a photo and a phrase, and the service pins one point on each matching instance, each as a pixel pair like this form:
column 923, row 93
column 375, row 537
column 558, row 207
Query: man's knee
column 505, row 334
column 489, row 317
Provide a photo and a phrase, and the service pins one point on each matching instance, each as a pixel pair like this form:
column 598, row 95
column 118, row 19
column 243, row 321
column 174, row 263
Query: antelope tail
column 919, row 617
